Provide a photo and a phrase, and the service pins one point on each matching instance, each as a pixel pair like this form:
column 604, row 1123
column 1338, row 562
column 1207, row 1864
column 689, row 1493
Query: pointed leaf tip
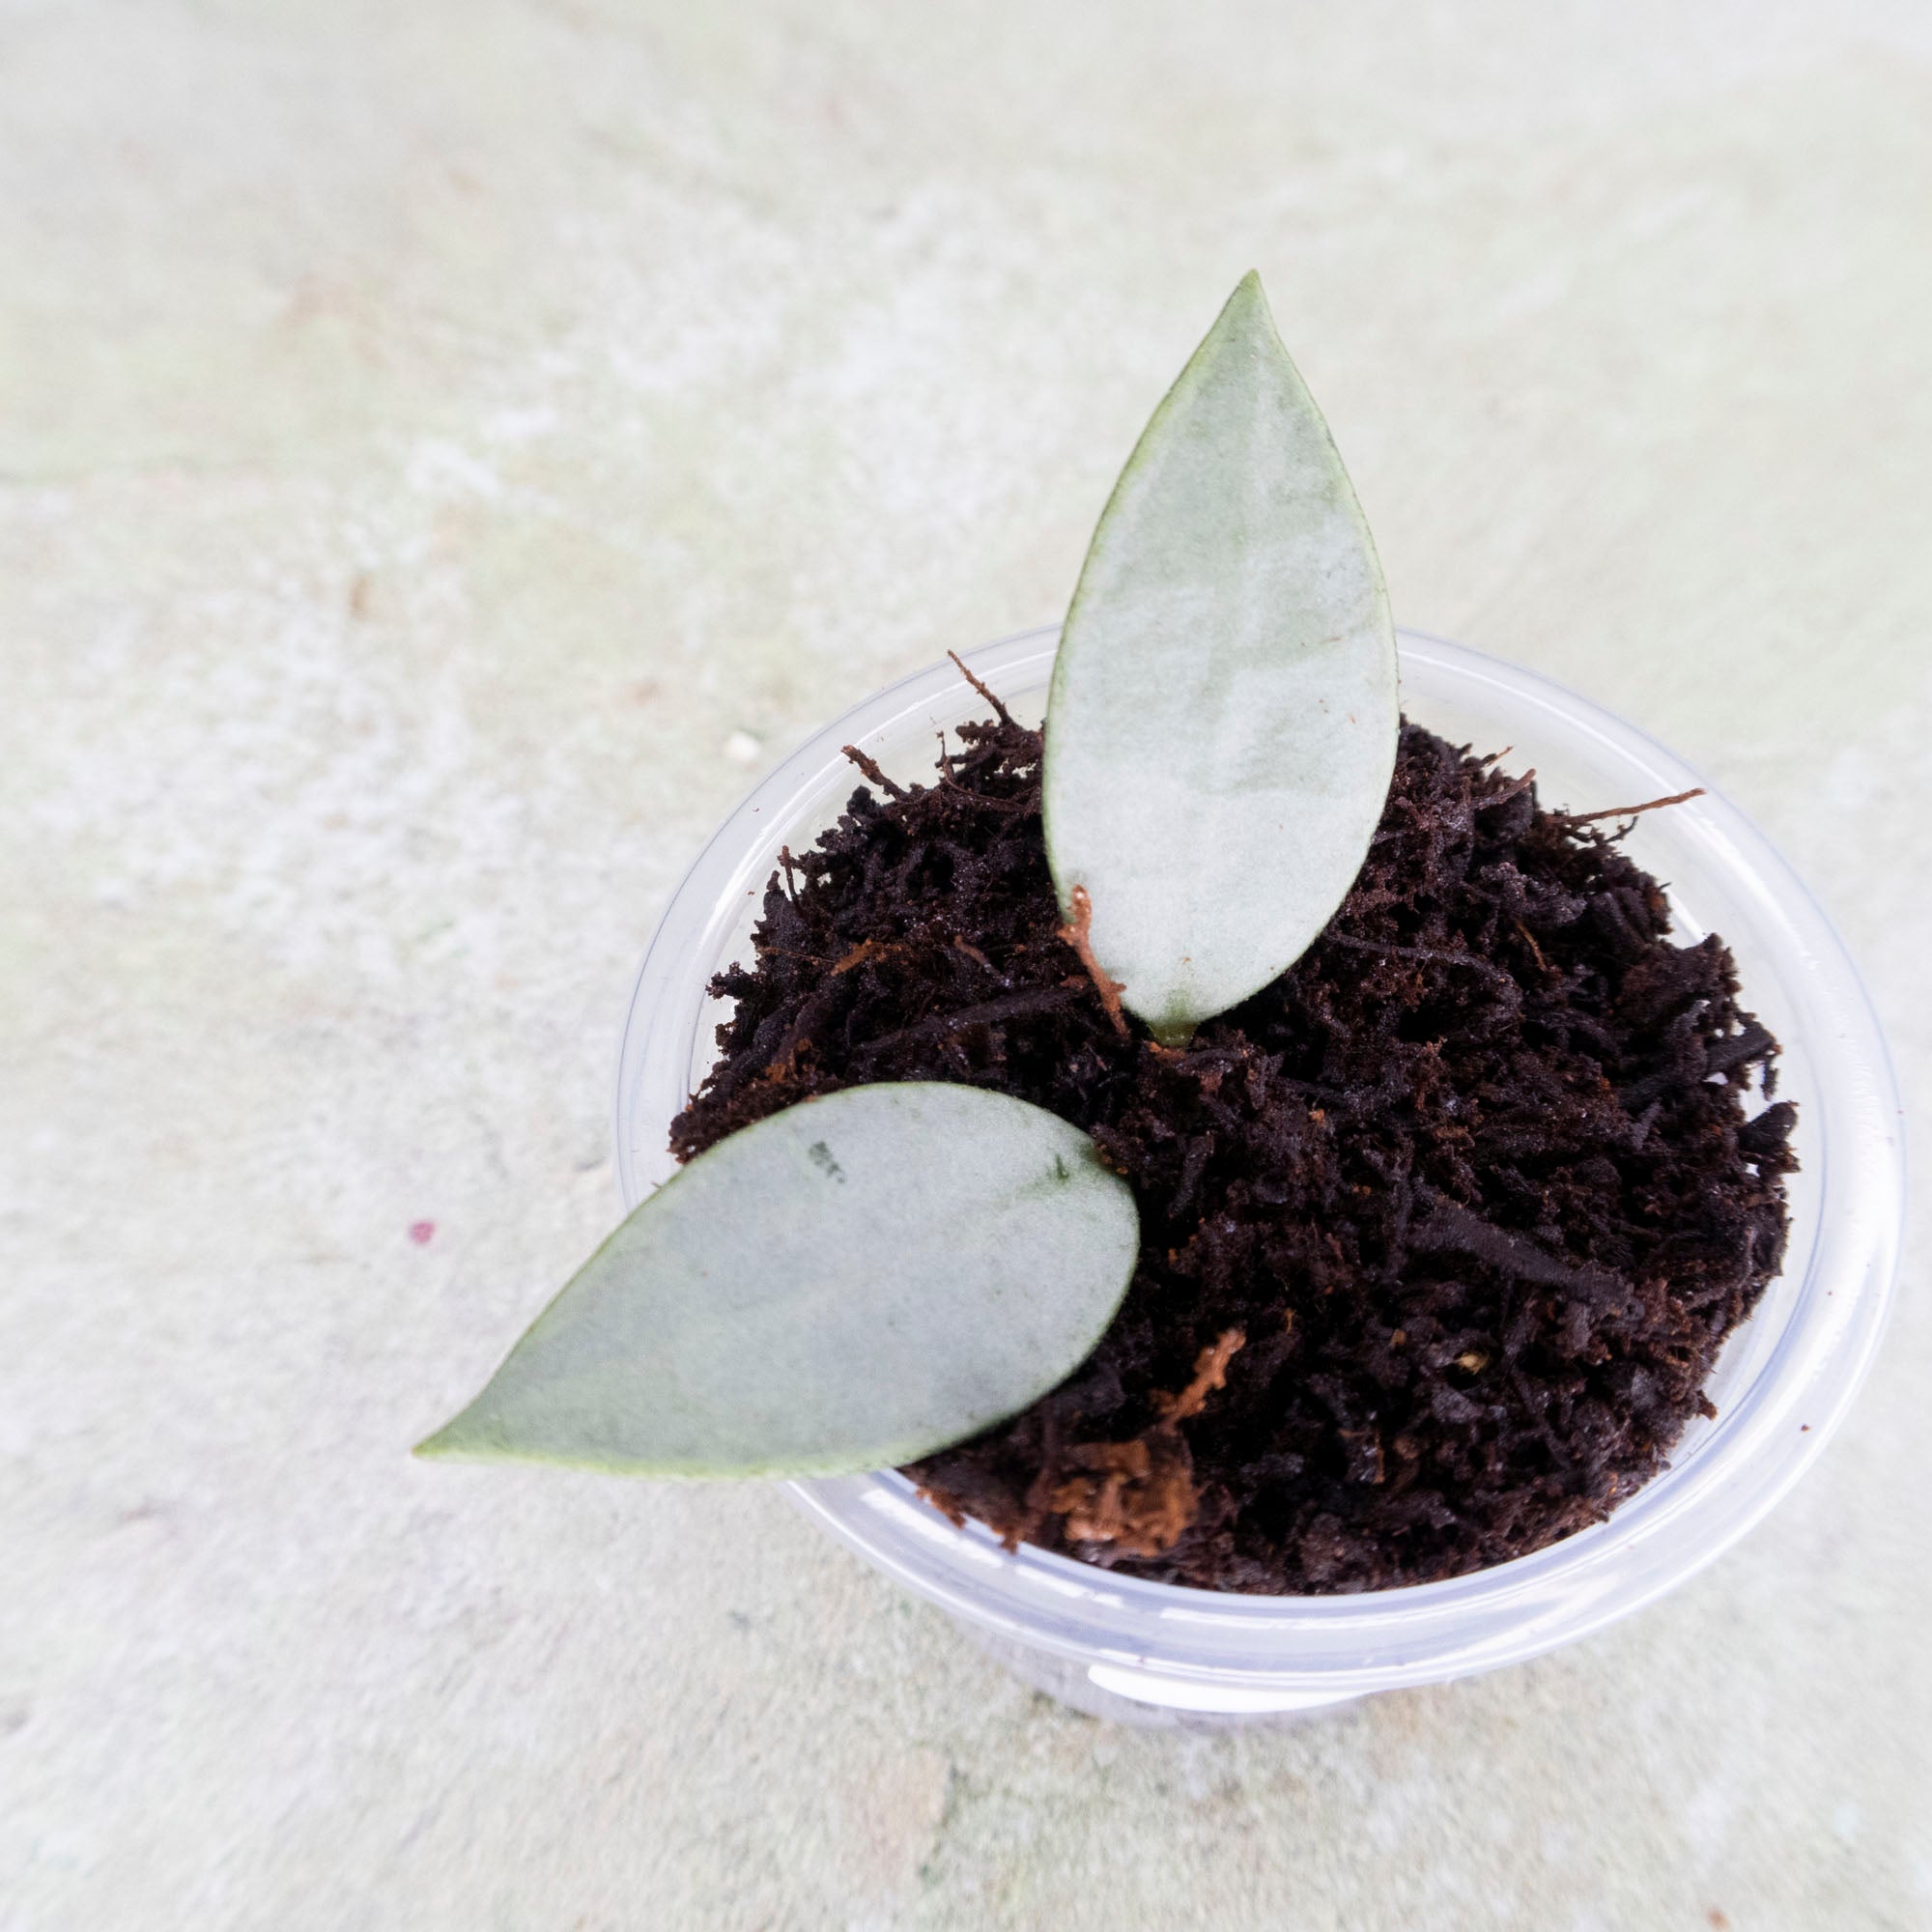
column 1221, row 724
column 852, row 1283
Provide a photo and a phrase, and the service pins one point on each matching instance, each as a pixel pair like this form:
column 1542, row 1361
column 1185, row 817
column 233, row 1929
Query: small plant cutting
column 1229, row 1134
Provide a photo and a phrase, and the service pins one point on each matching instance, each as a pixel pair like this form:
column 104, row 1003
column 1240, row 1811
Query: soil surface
column 1441, row 1231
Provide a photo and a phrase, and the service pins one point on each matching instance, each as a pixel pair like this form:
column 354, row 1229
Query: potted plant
column 1235, row 1152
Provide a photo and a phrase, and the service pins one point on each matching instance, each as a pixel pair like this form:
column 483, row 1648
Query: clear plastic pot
column 1155, row 1653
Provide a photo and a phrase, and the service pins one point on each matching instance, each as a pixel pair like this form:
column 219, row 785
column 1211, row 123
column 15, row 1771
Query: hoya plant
column 870, row 1277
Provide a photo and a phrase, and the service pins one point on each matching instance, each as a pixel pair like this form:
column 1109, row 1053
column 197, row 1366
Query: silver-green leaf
column 1221, row 728
column 855, row 1282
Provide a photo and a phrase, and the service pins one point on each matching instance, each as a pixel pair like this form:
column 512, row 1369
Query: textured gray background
column 445, row 452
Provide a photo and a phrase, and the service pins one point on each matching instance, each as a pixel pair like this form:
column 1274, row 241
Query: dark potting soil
column 1441, row 1231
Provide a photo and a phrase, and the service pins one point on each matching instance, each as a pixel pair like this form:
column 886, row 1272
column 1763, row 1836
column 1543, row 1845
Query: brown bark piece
column 871, row 767
column 1077, row 935
column 1211, row 1371
column 1631, row 810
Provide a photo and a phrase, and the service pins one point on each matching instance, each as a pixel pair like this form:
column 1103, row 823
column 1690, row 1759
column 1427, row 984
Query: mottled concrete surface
column 444, row 451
